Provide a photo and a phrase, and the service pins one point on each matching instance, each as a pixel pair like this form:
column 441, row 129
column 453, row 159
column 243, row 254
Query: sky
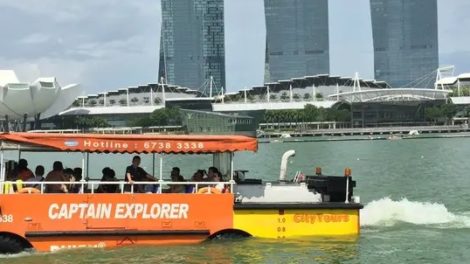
column 111, row 44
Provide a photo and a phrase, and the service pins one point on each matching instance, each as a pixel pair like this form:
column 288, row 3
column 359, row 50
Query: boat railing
column 7, row 187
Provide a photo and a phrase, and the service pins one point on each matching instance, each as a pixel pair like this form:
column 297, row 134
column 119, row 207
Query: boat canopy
column 110, row 143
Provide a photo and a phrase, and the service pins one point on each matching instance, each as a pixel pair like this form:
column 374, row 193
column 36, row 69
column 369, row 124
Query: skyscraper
column 405, row 41
column 192, row 47
column 297, row 41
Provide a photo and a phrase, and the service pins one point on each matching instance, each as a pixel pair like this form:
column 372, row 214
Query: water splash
column 387, row 212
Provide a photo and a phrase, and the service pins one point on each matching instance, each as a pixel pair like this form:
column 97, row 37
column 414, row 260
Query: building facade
column 405, row 41
column 297, row 39
column 192, row 47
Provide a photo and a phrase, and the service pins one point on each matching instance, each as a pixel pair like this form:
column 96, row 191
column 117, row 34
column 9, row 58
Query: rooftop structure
column 297, row 41
column 40, row 99
column 405, row 41
column 192, row 49
column 286, row 94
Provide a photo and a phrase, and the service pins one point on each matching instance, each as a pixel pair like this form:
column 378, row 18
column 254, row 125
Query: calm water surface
column 415, row 191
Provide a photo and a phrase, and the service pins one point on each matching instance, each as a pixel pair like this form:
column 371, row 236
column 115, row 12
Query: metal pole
column 210, row 87
column 231, row 171
column 2, row 167
column 267, row 93
column 153, row 164
column 83, row 169
column 290, row 93
column 161, row 167
column 87, row 165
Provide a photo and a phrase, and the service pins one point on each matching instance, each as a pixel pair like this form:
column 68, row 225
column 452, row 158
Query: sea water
column 415, row 192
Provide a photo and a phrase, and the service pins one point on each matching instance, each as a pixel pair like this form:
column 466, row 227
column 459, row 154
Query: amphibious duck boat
column 314, row 205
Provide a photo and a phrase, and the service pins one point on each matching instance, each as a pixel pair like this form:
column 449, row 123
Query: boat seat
column 333, row 186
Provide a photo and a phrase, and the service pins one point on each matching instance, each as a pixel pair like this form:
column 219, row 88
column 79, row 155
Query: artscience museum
column 41, row 99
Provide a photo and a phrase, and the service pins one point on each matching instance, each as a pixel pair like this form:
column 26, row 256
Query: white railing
column 7, row 186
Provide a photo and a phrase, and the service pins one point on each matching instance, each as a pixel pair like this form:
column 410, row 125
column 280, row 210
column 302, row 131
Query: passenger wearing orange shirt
column 24, row 173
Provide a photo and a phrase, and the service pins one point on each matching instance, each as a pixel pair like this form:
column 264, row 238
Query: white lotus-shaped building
column 42, row 98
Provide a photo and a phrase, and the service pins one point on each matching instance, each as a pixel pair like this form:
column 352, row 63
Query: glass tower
column 297, row 41
column 405, row 41
column 192, row 47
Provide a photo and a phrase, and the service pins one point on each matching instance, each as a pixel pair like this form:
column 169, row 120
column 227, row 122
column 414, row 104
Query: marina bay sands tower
column 192, row 48
column 297, row 39
column 405, row 41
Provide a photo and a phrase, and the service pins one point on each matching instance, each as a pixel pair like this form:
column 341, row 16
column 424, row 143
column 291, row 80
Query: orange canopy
column 127, row 143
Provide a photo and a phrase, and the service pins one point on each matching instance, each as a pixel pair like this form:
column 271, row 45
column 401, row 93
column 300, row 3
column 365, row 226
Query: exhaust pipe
column 285, row 158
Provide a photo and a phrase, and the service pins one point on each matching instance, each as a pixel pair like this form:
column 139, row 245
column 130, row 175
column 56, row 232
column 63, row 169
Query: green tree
column 166, row 116
column 307, row 96
column 432, row 114
column 122, row 101
column 272, row 97
column 310, row 113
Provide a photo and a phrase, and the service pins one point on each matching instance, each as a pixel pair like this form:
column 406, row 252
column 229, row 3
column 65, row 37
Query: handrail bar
column 41, row 184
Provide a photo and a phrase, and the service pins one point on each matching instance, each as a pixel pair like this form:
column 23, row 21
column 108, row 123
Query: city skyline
column 109, row 44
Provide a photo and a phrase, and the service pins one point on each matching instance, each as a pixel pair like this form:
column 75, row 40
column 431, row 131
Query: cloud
column 102, row 44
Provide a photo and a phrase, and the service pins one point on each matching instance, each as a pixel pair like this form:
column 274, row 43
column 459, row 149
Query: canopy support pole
column 161, row 167
column 82, row 181
column 87, row 165
column 153, row 164
column 2, row 167
column 231, row 172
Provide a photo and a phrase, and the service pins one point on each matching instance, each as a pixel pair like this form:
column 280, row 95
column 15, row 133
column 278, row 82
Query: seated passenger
column 217, row 178
column 56, row 175
column 198, row 176
column 68, row 174
column 23, row 172
column 77, row 188
column 176, row 177
column 39, row 177
column 211, row 173
column 108, row 176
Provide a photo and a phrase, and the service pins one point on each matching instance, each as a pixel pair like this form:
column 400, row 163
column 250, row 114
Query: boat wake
column 387, row 212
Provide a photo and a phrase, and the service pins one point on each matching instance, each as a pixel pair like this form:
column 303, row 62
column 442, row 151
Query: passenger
column 135, row 173
column 39, row 176
column 77, row 174
column 108, row 176
column 218, row 178
column 198, row 176
column 68, row 174
column 12, row 171
column 211, row 173
column 24, row 173
column 56, row 175
column 176, row 177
